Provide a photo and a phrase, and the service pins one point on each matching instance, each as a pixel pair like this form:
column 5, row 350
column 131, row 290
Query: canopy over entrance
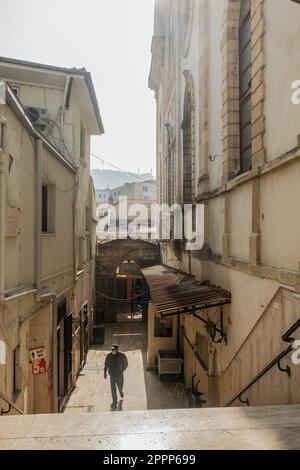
column 175, row 292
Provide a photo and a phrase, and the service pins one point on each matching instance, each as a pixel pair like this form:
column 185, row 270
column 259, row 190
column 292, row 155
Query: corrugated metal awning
column 172, row 291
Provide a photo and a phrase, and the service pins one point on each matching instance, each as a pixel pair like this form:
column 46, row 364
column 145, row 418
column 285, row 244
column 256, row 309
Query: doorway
column 64, row 352
column 131, row 291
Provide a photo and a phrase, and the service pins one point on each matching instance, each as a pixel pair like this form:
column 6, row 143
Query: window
column 48, row 208
column 245, row 70
column 81, row 250
column 44, row 209
column 87, row 219
column 82, row 142
column 188, row 136
column 163, row 327
column 16, row 90
column 145, row 189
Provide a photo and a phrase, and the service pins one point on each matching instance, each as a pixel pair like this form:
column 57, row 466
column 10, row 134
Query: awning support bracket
column 209, row 324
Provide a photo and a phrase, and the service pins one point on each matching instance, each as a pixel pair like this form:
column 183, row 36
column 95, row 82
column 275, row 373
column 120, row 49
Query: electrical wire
column 118, row 168
column 57, row 188
column 60, row 140
column 101, row 294
column 50, row 132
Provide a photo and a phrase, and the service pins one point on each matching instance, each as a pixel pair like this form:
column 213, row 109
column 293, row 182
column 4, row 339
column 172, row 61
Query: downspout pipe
column 53, row 298
column 3, row 176
column 63, row 110
column 38, row 228
column 38, row 269
column 75, row 229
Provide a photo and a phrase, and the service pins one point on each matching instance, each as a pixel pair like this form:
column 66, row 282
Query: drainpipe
column 75, row 227
column 53, row 297
column 3, row 173
column 63, row 110
column 38, row 228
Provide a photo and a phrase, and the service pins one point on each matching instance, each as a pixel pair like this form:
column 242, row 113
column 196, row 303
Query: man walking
column 115, row 363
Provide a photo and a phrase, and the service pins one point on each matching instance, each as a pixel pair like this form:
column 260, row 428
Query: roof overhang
column 48, row 75
column 174, row 292
column 15, row 105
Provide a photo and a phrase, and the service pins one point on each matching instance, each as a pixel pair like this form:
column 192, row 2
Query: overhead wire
column 118, row 168
column 101, row 294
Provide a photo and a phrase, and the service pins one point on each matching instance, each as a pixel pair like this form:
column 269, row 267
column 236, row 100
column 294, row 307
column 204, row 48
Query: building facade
column 141, row 191
column 102, row 195
column 128, row 212
column 48, row 229
column 228, row 137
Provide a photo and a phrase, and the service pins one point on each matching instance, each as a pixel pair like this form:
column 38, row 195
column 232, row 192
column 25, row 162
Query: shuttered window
column 245, row 69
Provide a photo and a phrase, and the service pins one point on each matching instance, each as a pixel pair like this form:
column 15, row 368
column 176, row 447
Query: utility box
column 169, row 362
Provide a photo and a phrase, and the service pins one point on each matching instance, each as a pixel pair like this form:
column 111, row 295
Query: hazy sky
column 111, row 39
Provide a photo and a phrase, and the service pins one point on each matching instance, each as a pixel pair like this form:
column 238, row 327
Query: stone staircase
column 276, row 427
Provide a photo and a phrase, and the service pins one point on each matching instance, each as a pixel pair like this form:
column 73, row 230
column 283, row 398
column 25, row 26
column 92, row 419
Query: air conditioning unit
column 38, row 116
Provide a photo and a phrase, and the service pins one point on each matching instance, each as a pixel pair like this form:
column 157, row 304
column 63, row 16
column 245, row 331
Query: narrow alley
column 143, row 390
column 149, row 238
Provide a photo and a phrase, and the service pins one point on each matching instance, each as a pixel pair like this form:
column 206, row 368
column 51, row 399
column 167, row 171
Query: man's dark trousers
column 116, row 381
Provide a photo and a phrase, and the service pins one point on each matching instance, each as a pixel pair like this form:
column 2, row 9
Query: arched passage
column 121, row 293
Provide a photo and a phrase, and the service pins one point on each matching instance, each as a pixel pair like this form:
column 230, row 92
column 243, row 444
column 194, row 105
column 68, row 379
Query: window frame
column 159, row 319
column 246, row 95
column 82, row 146
column 49, row 217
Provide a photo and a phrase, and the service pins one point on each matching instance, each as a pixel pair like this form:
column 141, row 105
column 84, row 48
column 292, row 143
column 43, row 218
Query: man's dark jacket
column 115, row 364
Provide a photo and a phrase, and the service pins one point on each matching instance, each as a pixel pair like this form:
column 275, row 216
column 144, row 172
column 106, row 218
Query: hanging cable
column 118, row 168
column 101, row 294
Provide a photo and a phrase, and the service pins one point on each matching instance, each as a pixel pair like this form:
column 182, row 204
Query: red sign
column 39, row 367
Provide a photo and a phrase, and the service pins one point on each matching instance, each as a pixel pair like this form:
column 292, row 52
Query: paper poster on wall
column 2, row 353
column 35, row 354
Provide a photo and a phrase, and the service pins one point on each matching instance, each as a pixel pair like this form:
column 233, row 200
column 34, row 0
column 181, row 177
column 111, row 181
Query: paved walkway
column 276, row 427
column 143, row 390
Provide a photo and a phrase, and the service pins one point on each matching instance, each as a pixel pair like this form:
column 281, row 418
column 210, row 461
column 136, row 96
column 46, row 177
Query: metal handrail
column 11, row 405
column 286, row 338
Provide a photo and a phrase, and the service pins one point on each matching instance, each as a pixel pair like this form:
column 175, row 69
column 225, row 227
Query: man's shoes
column 122, row 394
column 113, row 407
column 120, row 405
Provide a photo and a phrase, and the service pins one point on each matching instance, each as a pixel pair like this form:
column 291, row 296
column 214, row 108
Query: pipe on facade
column 38, row 217
column 63, row 109
column 75, row 228
column 3, row 175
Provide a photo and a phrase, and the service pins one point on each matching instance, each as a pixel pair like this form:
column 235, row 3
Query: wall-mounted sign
column 39, row 367
column 2, row 353
column 35, row 354
column 13, row 221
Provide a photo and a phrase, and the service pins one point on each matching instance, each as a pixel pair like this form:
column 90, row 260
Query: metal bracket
column 244, row 402
column 287, row 369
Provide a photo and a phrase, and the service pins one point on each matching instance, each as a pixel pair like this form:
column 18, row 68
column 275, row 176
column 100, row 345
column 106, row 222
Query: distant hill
column 113, row 178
